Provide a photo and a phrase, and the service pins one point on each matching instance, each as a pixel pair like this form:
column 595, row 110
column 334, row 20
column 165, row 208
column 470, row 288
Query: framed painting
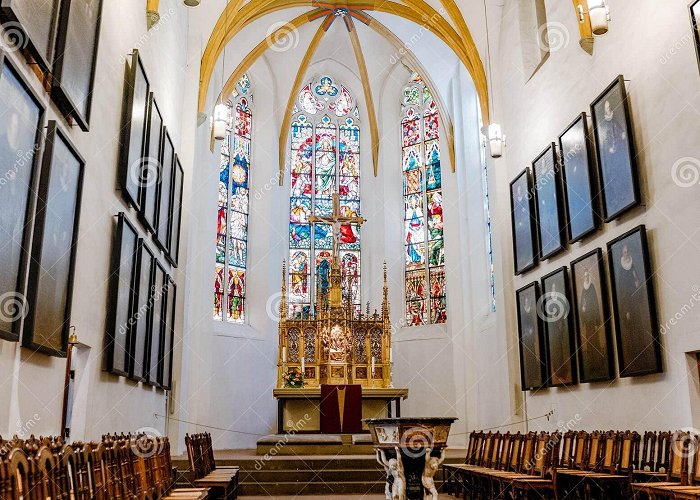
column 150, row 173
column 594, row 340
column 158, row 299
column 56, row 224
column 20, row 146
column 133, row 137
column 166, row 363
column 694, row 9
column 76, row 59
column 523, row 223
column 617, row 165
column 176, row 219
column 580, row 194
column 165, row 193
column 122, row 296
column 30, row 25
column 138, row 347
column 548, row 197
column 634, row 304
column 530, row 338
column 555, row 310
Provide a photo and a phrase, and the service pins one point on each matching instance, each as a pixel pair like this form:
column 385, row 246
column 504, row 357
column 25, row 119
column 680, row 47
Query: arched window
column 232, row 218
column 424, row 247
column 324, row 159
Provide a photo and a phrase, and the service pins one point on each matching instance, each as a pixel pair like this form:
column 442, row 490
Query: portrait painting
column 76, row 58
column 615, row 152
column 150, row 170
column 694, row 9
column 548, row 200
column 530, row 338
column 634, row 304
column 158, row 301
column 580, row 193
column 165, row 193
column 138, row 347
column 122, row 297
column 20, row 142
column 523, row 223
column 595, row 351
column 555, row 309
column 176, row 219
column 31, row 25
column 52, row 268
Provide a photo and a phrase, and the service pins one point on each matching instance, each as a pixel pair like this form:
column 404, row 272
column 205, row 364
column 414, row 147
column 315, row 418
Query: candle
column 284, row 354
column 373, row 361
column 302, row 366
column 391, row 354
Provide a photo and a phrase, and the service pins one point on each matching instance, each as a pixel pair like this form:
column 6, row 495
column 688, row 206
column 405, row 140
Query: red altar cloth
column 341, row 409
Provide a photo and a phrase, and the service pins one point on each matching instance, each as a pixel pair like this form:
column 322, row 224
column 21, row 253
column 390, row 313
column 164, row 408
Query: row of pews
column 120, row 467
column 577, row 464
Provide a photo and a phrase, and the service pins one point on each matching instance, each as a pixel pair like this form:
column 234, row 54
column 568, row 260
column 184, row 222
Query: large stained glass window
column 324, row 160
column 424, row 247
column 233, row 204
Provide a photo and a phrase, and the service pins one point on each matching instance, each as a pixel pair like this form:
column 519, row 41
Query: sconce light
column 599, row 15
column 220, row 119
column 192, row 3
column 496, row 138
column 152, row 15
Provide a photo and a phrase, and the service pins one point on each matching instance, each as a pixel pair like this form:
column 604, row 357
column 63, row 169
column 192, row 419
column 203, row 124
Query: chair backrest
column 608, row 462
column 515, row 453
column 478, row 448
column 594, row 450
column 507, row 443
column 567, row 448
column 18, row 471
column 492, row 459
column 580, row 447
column 471, row 445
column 694, row 473
column 680, row 444
column 647, row 460
column 663, row 453
column 488, row 445
column 545, row 445
column 626, row 454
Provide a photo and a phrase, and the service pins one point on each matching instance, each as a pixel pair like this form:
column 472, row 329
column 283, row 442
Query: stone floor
column 344, row 497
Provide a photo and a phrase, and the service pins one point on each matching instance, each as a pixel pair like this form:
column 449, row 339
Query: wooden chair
column 223, row 483
column 656, row 467
column 677, row 474
column 448, row 470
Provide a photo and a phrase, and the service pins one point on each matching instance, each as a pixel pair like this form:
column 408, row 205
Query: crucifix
column 336, row 220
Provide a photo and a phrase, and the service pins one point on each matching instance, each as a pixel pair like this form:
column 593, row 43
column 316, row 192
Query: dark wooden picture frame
column 580, row 187
column 138, row 348
column 615, row 151
column 593, row 333
column 560, row 341
column 692, row 7
column 77, row 44
column 150, row 174
column 634, row 304
column 122, row 297
column 165, row 188
column 549, row 203
column 133, row 132
column 166, row 363
column 51, row 305
column 38, row 42
column 176, row 218
column 533, row 361
column 523, row 222
column 16, row 211
column 158, row 324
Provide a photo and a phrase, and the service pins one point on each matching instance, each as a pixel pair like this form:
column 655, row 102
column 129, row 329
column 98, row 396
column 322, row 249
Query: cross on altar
column 336, row 220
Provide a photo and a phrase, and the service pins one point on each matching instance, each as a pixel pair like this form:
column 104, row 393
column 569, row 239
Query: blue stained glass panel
column 411, row 158
column 300, row 235
column 433, row 176
column 323, row 207
column 238, row 250
column 323, row 235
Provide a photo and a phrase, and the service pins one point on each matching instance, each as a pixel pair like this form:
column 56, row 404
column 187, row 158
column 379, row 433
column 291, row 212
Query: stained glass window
column 424, row 247
column 233, row 208
column 324, row 160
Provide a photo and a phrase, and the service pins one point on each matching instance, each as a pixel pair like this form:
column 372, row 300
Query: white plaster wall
column 650, row 43
column 31, row 385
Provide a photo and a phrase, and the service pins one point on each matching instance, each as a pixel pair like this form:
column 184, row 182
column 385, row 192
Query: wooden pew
column 222, row 482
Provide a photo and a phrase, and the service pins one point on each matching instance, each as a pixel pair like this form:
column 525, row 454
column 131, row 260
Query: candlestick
column 284, row 354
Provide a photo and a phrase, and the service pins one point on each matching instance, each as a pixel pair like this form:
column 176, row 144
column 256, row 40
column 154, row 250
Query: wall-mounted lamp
column 496, row 138
column 192, row 3
column 598, row 14
column 220, row 120
column 152, row 15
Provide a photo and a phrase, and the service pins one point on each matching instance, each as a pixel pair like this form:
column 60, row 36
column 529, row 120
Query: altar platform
column 299, row 409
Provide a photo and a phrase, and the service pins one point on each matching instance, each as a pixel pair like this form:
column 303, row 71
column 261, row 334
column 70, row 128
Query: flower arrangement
column 293, row 378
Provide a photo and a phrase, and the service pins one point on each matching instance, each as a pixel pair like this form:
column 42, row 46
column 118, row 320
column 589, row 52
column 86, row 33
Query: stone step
column 315, row 488
column 305, row 476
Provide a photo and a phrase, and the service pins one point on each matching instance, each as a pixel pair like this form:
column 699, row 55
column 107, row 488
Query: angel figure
column 394, row 467
column 432, row 465
column 387, row 470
